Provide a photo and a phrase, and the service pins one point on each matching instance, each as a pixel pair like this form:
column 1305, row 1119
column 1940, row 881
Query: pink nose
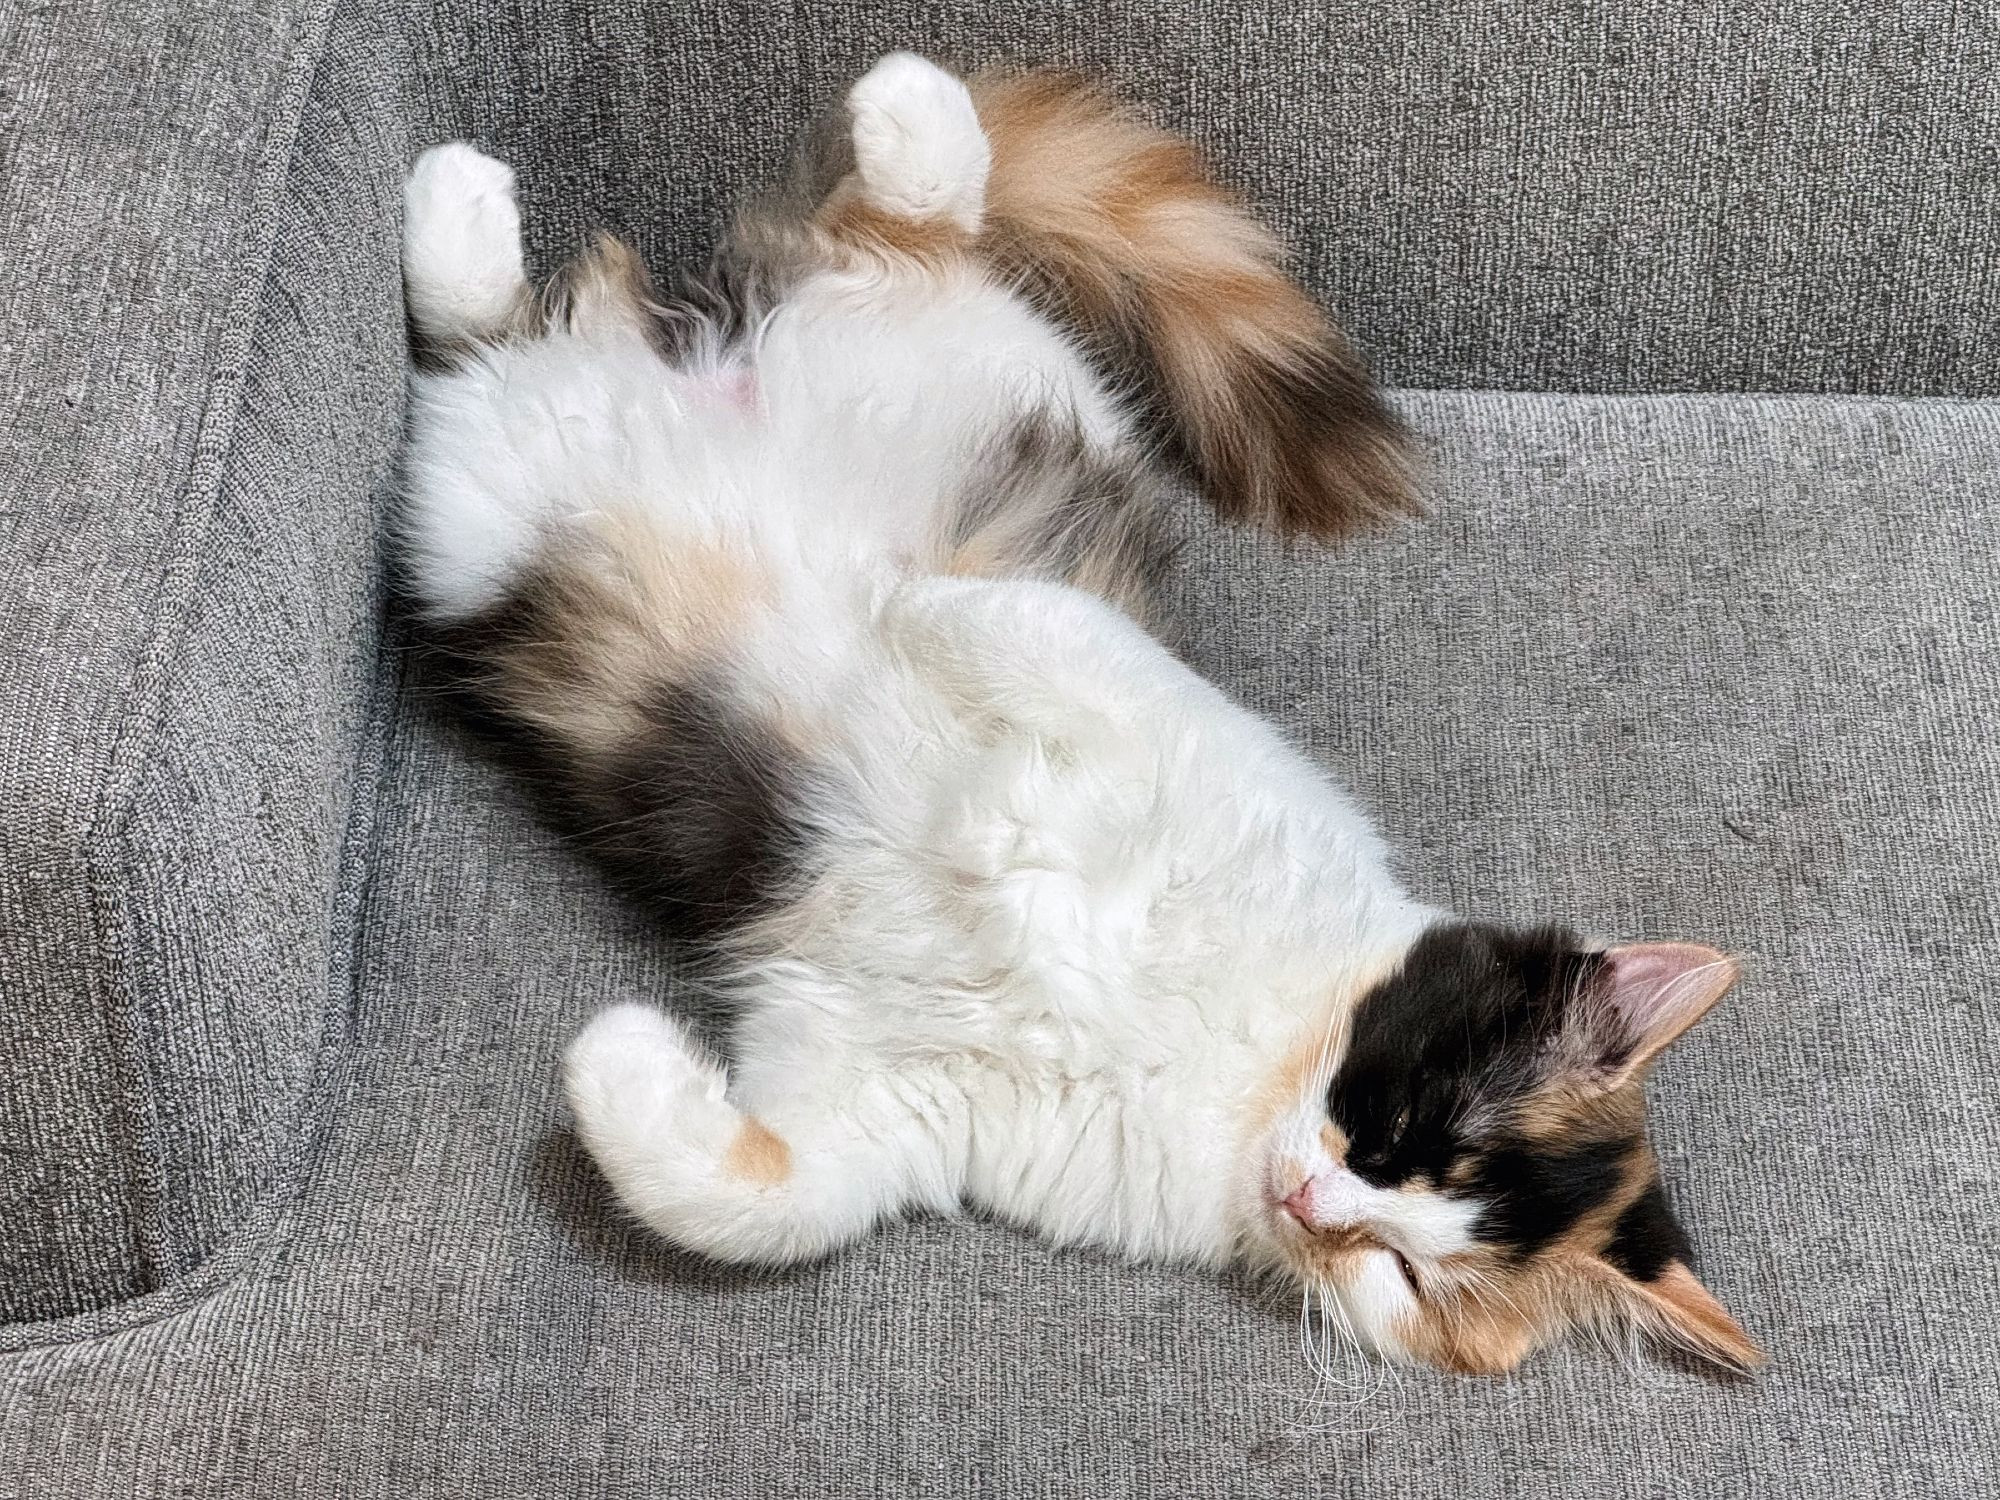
column 1299, row 1205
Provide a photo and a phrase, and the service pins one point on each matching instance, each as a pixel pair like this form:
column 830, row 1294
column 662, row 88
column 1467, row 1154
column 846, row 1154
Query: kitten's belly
column 1044, row 921
column 1138, row 1160
column 1085, row 858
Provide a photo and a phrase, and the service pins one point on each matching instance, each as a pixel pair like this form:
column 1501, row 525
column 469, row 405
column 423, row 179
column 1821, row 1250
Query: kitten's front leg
column 789, row 1184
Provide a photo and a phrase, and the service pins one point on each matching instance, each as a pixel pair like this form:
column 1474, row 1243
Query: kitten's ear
column 1677, row 1309
column 1644, row 995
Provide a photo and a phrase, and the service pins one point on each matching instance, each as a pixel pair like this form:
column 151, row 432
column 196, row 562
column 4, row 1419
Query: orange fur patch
column 1117, row 222
column 1569, row 1107
column 1471, row 1332
column 1685, row 1312
column 848, row 219
column 759, row 1155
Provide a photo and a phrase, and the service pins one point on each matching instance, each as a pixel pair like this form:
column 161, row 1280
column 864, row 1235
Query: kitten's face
column 1473, row 1177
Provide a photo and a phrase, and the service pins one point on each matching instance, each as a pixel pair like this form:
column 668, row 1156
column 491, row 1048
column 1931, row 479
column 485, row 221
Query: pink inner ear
column 1657, row 990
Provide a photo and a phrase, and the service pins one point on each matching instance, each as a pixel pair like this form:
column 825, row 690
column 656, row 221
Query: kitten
column 815, row 591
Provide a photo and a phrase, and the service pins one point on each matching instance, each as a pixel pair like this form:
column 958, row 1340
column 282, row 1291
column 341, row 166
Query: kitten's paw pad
column 462, row 242
column 918, row 144
column 636, row 1065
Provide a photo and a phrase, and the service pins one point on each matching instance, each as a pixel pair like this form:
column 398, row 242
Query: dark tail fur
column 1116, row 222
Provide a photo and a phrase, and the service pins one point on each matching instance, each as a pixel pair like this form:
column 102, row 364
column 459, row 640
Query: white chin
column 1376, row 1296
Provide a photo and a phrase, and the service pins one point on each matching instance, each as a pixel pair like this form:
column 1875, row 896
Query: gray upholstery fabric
column 1581, row 195
column 1719, row 667
column 285, row 1196
column 186, row 625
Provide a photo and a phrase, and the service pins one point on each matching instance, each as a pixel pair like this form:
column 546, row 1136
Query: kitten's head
column 1473, row 1179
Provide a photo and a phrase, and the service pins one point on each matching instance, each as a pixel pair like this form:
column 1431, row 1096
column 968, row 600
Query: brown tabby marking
column 1568, row 1107
column 1493, row 1313
column 758, row 1154
column 1047, row 503
column 602, row 286
column 1116, row 223
column 1489, row 1308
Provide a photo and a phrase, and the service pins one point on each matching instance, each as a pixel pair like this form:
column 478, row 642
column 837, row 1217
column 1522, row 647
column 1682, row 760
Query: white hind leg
column 919, row 149
column 462, row 270
column 535, row 418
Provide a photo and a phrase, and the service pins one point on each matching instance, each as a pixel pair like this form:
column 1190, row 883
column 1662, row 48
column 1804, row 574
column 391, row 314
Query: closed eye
column 1409, row 1272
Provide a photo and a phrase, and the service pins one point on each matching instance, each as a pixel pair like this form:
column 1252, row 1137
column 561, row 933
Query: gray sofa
column 287, row 1200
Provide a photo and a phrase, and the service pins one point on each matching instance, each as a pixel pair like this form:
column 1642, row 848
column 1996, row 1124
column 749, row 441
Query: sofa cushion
column 1714, row 668
column 203, row 349
column 201, row 388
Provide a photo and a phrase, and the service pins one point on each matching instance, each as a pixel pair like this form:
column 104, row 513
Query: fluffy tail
column 1116, row 222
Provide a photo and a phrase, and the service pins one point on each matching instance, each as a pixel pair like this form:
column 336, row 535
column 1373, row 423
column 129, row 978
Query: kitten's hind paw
column 462, row 266
column 918, row 145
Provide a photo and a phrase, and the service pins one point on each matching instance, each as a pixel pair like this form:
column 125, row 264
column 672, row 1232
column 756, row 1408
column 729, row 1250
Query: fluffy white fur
column 1091, row 906
column 1087, row 932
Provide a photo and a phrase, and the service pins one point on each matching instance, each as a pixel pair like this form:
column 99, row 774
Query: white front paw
column 636, row 1081
column 918, row 144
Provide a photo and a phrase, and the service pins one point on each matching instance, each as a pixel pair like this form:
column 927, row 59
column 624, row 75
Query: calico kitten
column 815, row 592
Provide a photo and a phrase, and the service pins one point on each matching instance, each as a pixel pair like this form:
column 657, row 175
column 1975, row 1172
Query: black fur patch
column 701, row 812
column 1534, row 1193
column 1648, row 1238
column 1443, row 1050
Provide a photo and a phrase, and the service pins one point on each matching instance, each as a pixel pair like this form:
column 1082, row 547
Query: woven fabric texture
column 1579, row 196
